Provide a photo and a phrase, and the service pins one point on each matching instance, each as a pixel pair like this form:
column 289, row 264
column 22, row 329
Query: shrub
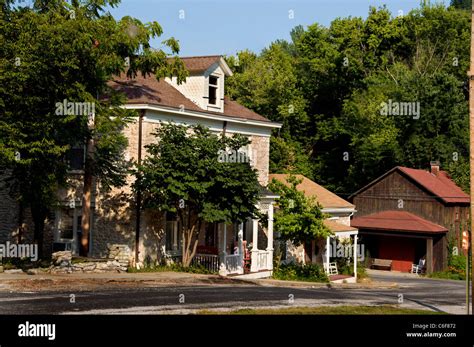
column 347, row 268
column 23, row 263
column 456, row 269
column 297, row 272
column 361, row 271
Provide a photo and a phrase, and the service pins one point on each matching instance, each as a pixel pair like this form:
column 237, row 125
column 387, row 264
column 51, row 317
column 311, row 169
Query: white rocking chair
column 418, row 268
column 330, row 269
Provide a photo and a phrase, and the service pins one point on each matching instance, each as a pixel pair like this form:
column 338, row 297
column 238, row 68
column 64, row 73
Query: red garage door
column 400, row 250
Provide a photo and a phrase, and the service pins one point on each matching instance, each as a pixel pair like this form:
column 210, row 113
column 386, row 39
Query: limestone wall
column 260, row 148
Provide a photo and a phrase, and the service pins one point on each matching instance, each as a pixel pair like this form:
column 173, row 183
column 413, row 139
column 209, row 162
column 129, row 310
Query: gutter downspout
column 139, row 193
column 224, row 128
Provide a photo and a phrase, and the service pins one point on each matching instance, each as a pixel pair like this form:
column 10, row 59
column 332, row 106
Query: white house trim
column 213, row 125
column 270, row 125
column 223, row 65
column 338, row 210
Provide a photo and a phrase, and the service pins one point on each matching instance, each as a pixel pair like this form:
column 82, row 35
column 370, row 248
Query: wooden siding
column 396, row 188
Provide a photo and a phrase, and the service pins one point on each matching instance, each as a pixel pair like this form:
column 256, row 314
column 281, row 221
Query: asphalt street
column 437, row 295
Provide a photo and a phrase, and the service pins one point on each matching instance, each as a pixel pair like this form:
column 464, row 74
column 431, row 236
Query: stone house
column 115, row 221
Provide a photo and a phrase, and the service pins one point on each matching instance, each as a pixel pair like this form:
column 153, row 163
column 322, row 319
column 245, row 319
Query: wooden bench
column 385, row 263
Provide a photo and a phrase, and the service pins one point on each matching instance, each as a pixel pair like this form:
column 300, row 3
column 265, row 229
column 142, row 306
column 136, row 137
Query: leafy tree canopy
column 328, row 86
column 297, row 218
column 184, row 174
column 58, row 51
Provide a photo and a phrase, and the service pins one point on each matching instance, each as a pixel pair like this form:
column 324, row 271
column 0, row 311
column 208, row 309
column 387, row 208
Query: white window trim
column 218, row 105
column 175, row 247
column 77, row 212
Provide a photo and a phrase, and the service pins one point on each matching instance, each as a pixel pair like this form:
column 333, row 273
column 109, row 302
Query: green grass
column 324, row 310
column 449, row 275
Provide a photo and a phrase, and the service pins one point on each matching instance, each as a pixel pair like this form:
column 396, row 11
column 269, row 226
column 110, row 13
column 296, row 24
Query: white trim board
column 204, row 115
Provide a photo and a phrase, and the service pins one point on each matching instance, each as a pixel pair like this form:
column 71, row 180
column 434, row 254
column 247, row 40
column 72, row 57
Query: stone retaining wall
column 118, row 261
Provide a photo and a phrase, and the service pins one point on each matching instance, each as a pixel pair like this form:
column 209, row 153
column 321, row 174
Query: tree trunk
column 191, row 230
column 188, row 252
column 86, row 200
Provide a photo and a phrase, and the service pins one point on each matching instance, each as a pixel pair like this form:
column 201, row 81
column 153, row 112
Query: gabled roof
column 397, row 221
column 200, row 64
column 149, row 90
column 440, row 186
column 326, row 198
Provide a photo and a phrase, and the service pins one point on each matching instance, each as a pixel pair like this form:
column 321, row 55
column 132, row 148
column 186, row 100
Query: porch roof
column 336, row 227
column 267, row 193
column 397, row 221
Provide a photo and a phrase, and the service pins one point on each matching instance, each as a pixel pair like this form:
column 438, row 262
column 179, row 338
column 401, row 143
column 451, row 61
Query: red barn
column 407, row 214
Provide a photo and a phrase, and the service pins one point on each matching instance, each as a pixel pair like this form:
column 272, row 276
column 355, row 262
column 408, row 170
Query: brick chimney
column 434, row 167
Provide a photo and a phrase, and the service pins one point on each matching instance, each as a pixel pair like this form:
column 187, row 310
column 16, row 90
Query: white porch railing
column 233, row 263
column 209, row 261
column 262, row 260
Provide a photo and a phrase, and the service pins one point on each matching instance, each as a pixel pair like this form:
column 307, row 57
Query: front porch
column 349, row 235
column 244, row 249
column 341, row 247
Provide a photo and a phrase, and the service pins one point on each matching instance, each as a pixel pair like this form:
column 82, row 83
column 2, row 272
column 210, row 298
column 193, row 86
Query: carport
column 404, row 238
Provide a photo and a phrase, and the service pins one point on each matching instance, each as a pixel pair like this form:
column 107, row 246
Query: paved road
column 446, row 295
column 437, row 295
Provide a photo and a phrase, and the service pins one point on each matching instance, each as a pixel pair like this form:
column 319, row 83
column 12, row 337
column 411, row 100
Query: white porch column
column 270, row 238
column 240, row 236
column 356, row 256
column 254, row 261
column 223, row 267
column 175, row 236
column 328, row 245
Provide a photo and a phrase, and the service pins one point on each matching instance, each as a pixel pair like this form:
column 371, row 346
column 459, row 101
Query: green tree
column 298, row 218
column 339, row 76
column 186, row 174
column 462, row 4
column 42, row 66
column 269, row 85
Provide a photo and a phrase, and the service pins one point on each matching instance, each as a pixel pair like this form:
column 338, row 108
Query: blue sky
column 227, row 26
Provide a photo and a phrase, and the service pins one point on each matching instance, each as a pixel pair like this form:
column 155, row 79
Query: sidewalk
column 393, row 274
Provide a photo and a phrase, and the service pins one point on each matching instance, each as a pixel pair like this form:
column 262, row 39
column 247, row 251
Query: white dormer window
column 213, row 85
column 205, row 84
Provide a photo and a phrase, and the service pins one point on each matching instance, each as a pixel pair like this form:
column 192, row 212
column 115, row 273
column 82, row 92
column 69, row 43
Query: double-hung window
column 173, row 235
column 213, row 85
